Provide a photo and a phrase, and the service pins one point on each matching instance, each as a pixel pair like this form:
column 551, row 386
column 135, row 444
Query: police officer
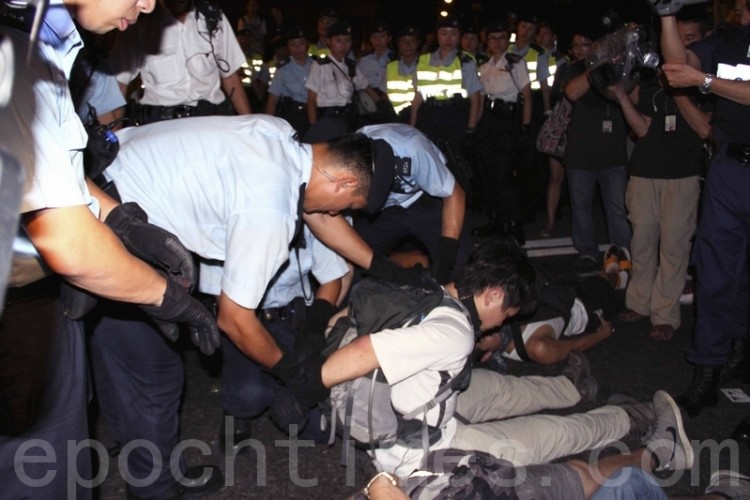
column 188, row 60
column 373, row 67
column 506, row 113
column 251, row 71
column 287, row 96
column 471, row 43
column 425, row 202
column 399, row 79
column 446, row 106
column 64, row 217
column 721, row 245
column 296, row 314
column 331, row 85
column 326, row 19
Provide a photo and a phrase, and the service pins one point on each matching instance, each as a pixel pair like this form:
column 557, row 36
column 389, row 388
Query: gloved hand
column 385, row 269
column 304, row 389
column 311, row 339
column 442, row 265
column 180, row 307
column 152, row 243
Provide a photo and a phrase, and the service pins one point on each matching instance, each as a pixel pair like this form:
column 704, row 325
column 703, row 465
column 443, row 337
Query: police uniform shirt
column 102, row 93
column 469, row 73
column 330, row 80
column 499, row 83
column 289, row 80
column 420, row 166
column 175, row 59
column 372, row 67
column 39, row 126
column 227, row 186
column 542, row 61
column 293, row 279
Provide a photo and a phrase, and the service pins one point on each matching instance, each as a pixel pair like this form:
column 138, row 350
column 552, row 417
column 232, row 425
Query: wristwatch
column 705, row 87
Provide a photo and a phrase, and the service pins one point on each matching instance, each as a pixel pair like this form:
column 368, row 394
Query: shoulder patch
column 283, row 62
column 536, row 47
column 466, row 58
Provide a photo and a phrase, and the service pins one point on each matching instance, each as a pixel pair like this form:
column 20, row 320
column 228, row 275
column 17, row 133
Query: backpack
column 468, row 475
column 360, row 409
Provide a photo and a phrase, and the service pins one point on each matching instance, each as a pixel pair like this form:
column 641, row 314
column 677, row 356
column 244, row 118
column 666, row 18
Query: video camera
column 618, row 58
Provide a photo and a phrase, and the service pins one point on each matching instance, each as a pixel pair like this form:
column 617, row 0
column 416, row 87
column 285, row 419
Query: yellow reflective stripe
column 439, row 82
column 399, row 88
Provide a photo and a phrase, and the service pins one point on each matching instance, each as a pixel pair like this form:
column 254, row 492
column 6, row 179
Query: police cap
column 471, row 29
column 294, row 32
column 339, row 28
column 448, row 22
column 528, row 17
column 328, row 13
column 407, row 30
column 496, row 27
column 383, row 173
column 379, row 26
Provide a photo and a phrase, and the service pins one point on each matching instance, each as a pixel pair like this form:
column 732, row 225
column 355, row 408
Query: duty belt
column 499, row 105
column 335, row 111
column 739, row 152
column 46, row 287
column 451, row 101
column 270, row 314
column 287, row 104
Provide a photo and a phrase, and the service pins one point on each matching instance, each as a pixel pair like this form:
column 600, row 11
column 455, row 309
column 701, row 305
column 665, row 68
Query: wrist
column 381, row 478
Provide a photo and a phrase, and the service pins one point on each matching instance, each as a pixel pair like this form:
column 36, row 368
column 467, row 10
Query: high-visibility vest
column 251, row 69
column 439, row 82
column 400, row 88
column 532, row 59
column 553, row 58
column 316, row 51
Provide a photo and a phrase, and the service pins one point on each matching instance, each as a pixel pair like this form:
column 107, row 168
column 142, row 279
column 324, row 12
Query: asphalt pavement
column 628, row 363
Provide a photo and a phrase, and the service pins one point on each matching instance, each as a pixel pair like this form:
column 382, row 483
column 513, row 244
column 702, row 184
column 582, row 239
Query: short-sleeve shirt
column 102, row 93
column 39, row 126
column 330, row 80
column 293, row 279
column 499, row 83
column 176, row 61
column 729, row 47
column 469, row 73
column 411, row 359
column 227, row 186
column 420, row 165
column 289, row 80
column 372, row 67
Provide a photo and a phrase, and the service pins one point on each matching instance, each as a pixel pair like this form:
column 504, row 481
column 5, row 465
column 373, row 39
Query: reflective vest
column 400, row 88
column 439, row 82
column 315, row 51
column 251, row 69
column 532, row 58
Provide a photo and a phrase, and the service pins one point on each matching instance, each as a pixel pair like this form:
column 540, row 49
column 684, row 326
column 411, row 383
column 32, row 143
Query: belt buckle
column 182, row 111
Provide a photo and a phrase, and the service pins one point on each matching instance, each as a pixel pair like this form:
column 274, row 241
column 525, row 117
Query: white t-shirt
column 411, row 359
column 177, row 63
column 227, row 186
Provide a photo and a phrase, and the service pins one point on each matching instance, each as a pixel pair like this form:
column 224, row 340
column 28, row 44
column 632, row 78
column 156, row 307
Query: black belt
column 287, row 104
column 739, row 152
column 148, row 113
column 451, row 101
column 500, row 106
column 335, row 111
column 270, row 314
column 46, row 287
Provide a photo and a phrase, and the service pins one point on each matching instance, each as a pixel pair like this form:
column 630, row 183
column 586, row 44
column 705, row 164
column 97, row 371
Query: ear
column 494, row 296
column 347, row 182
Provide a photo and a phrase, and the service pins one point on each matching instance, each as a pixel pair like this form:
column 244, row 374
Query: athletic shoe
column 623, row 256
column 578, row 371
column 668, row 442
column 642, row 415
column 611, row 261
column 729, row 484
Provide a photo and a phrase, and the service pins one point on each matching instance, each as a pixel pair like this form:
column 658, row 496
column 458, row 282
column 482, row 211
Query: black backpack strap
column 520, row 347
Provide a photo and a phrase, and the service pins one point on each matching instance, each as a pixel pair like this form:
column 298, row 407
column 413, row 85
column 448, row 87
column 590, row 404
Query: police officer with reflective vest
column 399, row 76
column 446, row 106
column 287, row 95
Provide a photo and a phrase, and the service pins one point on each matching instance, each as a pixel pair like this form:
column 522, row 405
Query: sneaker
column 623, row 261
column 611, row 262
column 642, row 415
column 668, row 442
column 729, row 484
column 578, row 371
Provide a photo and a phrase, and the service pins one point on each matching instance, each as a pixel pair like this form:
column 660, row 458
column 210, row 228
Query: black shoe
column 239, row 431
column 742, row 431
column 194, row 485
column 703, row 391
column 734, row 368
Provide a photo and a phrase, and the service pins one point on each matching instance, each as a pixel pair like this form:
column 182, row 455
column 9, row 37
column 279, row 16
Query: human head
column 325, row 20
column 526, row 28
column 689, row 30
column 408, row 42
column 380, row 37
column 101, row 16
column 339, row 36
column 581, row 46
column 498, row 39
column 500, row 264
column 448, row 33
column 296, row 42
column 470, row 40
column 742, row 12
column 545, row 36
column 178, row 8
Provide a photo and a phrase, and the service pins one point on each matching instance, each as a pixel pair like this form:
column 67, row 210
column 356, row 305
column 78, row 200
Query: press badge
column 670, row 123
column 607, row 126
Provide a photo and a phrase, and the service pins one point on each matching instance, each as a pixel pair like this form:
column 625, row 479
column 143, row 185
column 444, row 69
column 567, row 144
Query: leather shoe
column 240, row 432
column 734, row 368
column 703, row 391
column 742, row 431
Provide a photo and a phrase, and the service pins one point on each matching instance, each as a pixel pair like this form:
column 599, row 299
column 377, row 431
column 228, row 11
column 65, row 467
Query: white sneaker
column 668, row 442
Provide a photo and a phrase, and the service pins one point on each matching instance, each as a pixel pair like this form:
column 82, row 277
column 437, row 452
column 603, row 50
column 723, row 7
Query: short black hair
column 353, row 153
column 501, row 263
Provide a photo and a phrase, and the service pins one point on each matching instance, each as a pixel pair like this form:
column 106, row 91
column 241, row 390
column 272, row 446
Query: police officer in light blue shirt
column 287, row 95
column 425, row 202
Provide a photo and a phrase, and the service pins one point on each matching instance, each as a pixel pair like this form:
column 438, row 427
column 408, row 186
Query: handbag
column 553, row 136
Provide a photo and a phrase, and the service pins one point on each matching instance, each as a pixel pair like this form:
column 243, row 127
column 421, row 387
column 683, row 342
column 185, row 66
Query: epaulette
column 351, row 64
column 321, row 59
column 465, row 57
column 481, row 59
column 536, row 47
column 283, row 62
column 392, row 56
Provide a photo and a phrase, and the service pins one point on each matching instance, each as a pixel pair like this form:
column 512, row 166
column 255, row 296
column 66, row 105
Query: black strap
column 298, row 238
column 515, row 329
column 467, row 299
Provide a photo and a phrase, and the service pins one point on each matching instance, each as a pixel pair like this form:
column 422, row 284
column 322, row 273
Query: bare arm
column 330, row 291
column 526, row 94
column 232, row 87
column 246, row 331
column 474, row 107
column 684, row 75
column 415, row 104
column 698, row 120
column 340, row 237
column 546, row 101
column 454, row 210
column 577, row 87
column 87, row 253
column 271, row 103
column 312, row 106
column 350, row 362
column 639, row 122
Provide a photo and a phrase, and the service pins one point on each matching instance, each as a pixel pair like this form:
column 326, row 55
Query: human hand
column 682, row 75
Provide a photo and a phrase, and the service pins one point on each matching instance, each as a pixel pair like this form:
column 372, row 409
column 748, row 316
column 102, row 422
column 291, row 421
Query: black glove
column 442, row 265
column 152, row 243
column 311, row 340
column 387, row 270
column 304, row 389
column 180, row 307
